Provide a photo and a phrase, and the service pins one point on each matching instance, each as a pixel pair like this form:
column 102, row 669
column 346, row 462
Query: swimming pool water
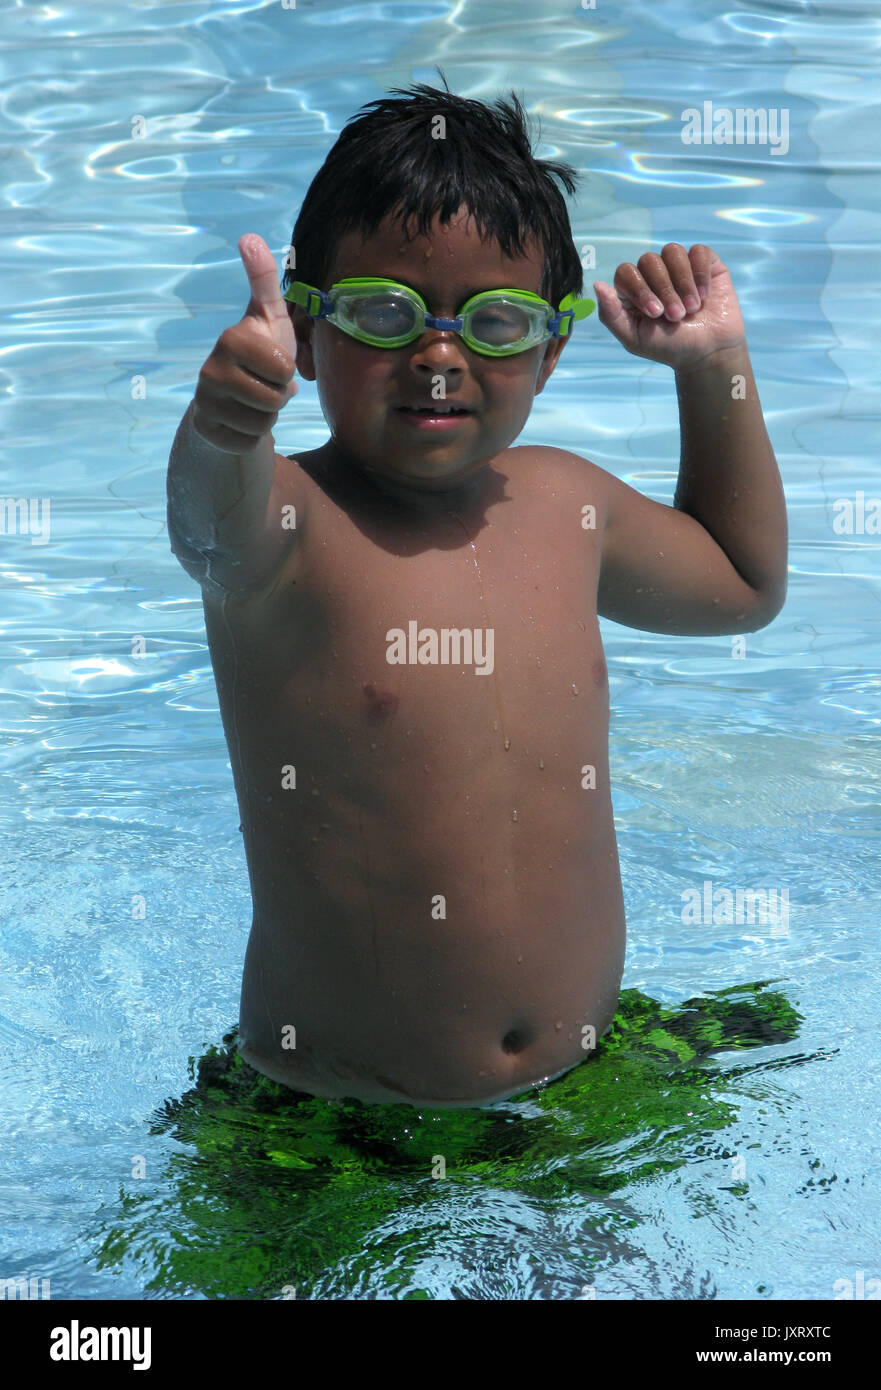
column 138, row 146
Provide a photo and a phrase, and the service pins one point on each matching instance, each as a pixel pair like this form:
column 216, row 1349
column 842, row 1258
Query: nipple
column 380, row 703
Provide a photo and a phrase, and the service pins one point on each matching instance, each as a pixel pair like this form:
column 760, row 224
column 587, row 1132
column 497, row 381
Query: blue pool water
column 139, row 144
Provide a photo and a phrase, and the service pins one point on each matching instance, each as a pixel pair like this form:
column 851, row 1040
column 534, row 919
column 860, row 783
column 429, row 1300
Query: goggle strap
column 316, row 303
column 578, row 308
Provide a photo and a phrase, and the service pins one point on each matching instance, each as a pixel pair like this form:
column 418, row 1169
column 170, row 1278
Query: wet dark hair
column 388, row 162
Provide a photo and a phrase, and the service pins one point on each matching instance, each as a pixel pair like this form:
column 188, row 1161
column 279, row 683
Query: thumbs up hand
column 248, row 377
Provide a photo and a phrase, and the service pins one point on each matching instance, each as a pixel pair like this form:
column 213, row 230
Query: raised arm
column 227, row 487
column 714, row 562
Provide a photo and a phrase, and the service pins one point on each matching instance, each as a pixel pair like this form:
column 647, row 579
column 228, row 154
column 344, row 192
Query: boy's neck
column 434, row 500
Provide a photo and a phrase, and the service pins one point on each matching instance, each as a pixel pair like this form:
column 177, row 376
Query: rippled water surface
column 139, row 142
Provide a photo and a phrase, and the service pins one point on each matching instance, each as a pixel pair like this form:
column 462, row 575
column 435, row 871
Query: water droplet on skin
column 575, row 690
column 507, row 744
column 495, row 728
column 513, row 815
column 519, row 960
column 541, row 763
column 558, row 1026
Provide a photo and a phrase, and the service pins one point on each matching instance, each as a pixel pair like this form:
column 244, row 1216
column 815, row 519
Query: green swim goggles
column 386, row 314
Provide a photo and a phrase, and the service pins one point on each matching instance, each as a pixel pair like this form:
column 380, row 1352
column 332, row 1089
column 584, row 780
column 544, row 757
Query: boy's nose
column 440, row 347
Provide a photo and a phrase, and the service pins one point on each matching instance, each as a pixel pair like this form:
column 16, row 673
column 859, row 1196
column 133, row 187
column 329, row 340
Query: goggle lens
column 387, row 315
column 504, row 324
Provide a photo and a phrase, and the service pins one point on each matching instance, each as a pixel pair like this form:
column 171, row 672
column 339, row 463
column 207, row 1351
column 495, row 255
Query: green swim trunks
column 269, row 1189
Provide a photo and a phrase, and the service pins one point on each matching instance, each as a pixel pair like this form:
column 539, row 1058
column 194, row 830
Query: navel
column 514, row 1040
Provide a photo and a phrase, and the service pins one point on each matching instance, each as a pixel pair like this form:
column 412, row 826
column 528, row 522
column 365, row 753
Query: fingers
column 242, row 387
column 672, row 283
column 261, row 357
column 224, row 419
column 229, row 426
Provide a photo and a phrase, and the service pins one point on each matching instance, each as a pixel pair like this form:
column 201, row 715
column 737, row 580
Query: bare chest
column 443, row 629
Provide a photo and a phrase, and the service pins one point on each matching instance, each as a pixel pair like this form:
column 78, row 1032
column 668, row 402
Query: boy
column 403, row 622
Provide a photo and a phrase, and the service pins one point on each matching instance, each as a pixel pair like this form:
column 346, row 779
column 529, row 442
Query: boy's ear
column 548, row 363
column 302, row 326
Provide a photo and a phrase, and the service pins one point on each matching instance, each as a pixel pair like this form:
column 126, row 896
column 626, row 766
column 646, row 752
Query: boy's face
column 362, row 388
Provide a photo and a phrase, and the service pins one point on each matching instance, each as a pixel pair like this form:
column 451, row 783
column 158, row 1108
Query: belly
column 438, row 915
column 433, row 948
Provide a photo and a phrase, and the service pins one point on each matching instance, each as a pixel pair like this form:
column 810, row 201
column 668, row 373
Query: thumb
column 267, row 304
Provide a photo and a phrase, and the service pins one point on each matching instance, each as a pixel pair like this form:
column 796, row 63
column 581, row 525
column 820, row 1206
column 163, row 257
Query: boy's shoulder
column 544, row 463
column 565, row 459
